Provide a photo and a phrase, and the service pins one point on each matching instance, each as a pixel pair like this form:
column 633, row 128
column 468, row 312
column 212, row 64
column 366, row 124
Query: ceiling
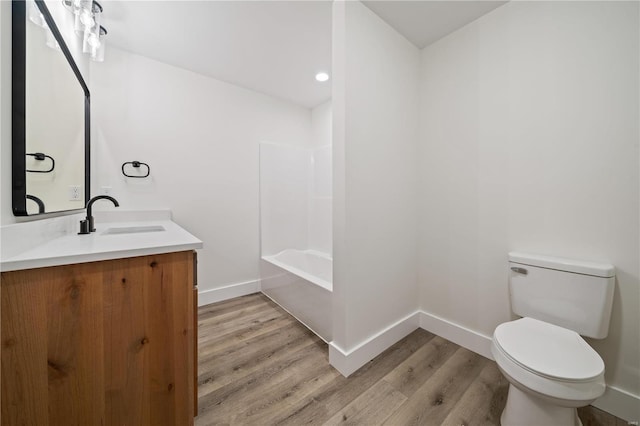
column 424, row 22
column 272, row 47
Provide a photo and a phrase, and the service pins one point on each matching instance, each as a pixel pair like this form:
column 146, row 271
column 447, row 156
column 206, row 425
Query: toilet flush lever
column 519, row 270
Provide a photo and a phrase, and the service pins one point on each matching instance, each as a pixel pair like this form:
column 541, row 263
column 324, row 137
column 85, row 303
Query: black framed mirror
column 50, row 116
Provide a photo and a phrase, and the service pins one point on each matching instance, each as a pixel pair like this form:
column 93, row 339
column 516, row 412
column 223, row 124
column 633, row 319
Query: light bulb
column 78, row 5
column 98, row 53
column 322, row 76
column 93, row 41
column 87, row 20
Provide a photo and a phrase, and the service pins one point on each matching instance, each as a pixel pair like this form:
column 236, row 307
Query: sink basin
column 133, row 229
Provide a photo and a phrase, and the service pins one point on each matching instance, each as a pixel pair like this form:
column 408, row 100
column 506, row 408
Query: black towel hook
column 136, row 164
column 40, row 157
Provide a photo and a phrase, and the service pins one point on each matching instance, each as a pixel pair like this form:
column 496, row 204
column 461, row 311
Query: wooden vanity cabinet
column 100, row 343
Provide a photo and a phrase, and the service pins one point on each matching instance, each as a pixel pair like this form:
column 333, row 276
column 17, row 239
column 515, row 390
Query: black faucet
column 86, row 226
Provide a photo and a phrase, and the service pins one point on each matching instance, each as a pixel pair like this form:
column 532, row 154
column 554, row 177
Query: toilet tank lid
column 598, row 269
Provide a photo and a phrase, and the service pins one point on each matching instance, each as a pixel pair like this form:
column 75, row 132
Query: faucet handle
column 84, row 227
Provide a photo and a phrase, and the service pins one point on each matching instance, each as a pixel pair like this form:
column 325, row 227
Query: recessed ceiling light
column 322, row 76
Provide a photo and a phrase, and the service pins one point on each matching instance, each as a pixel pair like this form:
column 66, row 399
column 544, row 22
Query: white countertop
column 70, row 247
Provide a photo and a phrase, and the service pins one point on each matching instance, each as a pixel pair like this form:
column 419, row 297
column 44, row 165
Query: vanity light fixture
column 86, row 24
column 76, row 6
column 322, row 76
column 97, row 54
column 87, row 19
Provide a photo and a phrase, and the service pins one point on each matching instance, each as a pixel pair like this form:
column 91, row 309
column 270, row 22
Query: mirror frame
column 18, row 107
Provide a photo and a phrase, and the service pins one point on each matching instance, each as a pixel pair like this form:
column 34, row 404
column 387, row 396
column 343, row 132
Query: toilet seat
column 549, row 350
column 550, row 361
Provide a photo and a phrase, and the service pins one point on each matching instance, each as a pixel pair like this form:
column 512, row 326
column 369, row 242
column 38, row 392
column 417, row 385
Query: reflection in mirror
column 54, row 125
column 41, row 157
column 38, row 201
column 50, row 148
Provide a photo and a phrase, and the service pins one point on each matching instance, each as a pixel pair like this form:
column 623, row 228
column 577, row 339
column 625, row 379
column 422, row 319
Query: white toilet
column 550, row 368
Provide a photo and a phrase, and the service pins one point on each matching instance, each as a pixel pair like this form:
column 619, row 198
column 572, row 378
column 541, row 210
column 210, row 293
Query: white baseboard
column 456, row 333
column 214, row 295
column 620, row 403
column 349, row 361
column 614, row 401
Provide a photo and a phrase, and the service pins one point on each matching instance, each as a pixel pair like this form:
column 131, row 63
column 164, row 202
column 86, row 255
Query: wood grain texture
column 373, row 406
column 194, row 315
column 432, row 402
column 194, row 355
column 52, row 346
column 483, row 401
column 24, row 359
column 259, row 366
column 102, row 343
column 149, row 360
column 74, row 345
column 592, row 416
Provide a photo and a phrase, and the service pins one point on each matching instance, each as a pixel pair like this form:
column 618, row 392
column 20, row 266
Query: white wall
column 321, row 117
column 284, row 197
column 295, row 198
column 529, row 142
column 320, row 196
column 200, row 136
column 375, row 101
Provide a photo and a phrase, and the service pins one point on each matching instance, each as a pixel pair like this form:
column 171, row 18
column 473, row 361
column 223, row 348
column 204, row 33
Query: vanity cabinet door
column 102, row 343
column 52, row 346
column 148, row 340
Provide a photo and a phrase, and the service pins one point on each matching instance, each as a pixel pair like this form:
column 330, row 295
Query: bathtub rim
column 326, row 285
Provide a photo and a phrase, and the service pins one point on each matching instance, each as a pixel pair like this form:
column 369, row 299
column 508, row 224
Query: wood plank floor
column 259, row 366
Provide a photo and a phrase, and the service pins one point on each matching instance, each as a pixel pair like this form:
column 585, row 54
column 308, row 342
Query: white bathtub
column 301, row 282
column 311, row 265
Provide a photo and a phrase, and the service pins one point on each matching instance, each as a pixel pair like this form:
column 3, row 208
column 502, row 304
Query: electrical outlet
column 75, row 193
column 106, row 190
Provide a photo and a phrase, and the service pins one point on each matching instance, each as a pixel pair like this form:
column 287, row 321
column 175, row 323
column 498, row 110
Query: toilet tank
column 570, row 293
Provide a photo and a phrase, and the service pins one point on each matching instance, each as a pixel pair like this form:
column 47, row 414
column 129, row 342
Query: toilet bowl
column 551, row 371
